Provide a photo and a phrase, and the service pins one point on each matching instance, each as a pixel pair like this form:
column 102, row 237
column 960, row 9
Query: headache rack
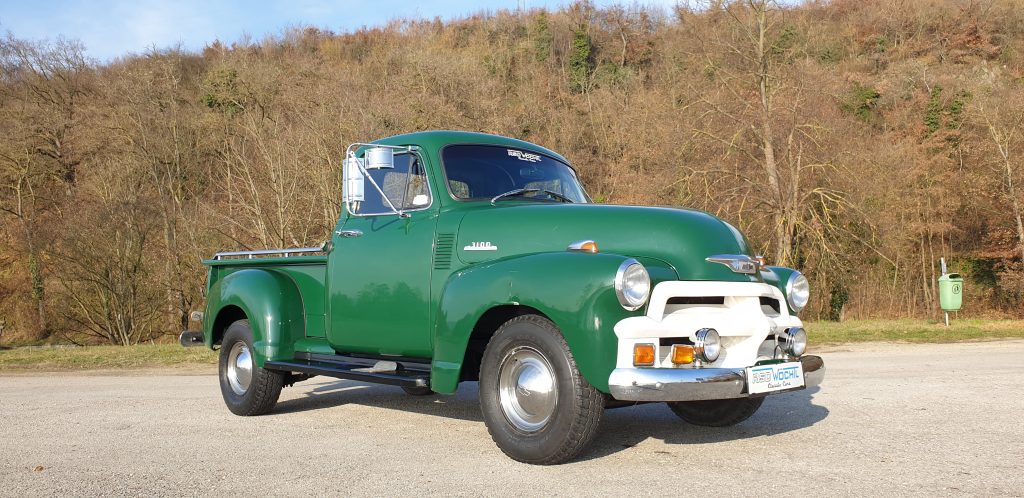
column 268, row 252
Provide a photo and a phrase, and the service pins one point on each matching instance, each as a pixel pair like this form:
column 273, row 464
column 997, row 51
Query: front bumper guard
column 679, row 384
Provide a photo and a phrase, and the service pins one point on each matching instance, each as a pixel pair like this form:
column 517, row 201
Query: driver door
column 379, row 269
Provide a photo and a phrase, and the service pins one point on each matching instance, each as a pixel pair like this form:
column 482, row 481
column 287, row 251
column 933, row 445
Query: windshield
column 482, row 172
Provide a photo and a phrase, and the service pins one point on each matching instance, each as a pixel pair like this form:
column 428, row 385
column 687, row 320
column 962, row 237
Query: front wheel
column 537, row 406
column 247, row 389
column 716, row 412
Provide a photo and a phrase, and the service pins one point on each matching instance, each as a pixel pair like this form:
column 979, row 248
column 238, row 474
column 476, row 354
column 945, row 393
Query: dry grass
column 910, row 330
column 50, row 358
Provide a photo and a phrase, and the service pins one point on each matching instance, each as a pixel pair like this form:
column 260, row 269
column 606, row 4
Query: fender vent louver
column 443, row 251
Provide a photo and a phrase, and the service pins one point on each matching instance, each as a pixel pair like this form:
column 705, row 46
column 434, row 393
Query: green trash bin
column 951, row 292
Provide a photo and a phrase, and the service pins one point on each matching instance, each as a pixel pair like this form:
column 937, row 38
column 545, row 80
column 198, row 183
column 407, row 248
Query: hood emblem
column 480, row 246
column 738, row 263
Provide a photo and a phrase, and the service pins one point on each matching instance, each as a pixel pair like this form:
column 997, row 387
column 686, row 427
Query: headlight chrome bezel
column 798, row 291
column 707, row 345
column 627, row 299
column 793, row 341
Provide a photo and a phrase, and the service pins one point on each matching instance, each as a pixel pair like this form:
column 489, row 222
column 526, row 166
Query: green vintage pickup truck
column 472, row 257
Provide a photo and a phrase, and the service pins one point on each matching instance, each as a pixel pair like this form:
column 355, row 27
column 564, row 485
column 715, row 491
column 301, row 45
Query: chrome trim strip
column 264, row 252
column 693, row 384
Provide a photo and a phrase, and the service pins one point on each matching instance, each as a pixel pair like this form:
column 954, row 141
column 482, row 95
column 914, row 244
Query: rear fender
column 271, row 302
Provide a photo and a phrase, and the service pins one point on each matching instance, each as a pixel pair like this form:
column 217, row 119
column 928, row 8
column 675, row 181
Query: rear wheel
column 716, row 412
column 536, row 405
column 246, row 388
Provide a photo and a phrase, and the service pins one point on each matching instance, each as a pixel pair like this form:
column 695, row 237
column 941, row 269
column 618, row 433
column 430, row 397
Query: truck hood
column 680, row 238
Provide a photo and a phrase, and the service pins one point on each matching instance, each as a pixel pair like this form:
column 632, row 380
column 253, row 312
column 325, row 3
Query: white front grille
column 741, row 312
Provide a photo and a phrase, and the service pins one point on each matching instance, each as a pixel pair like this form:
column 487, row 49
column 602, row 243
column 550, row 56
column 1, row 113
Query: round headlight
column 707, row 344
column 632, row 284
column 794, row 341
column 798, row 291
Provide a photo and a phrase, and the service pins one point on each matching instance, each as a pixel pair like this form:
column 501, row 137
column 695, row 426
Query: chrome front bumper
column 676, row 384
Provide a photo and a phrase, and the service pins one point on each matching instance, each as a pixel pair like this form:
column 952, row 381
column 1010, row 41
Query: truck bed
column 309, row 273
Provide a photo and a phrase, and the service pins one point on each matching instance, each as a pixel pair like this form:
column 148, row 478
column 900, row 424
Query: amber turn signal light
column 643, row 355
column 583, row 246
column 682, row 354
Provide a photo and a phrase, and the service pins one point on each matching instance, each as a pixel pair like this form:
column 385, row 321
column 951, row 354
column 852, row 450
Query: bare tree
column 157, row 119
column 107, row 272
column 41, row 104
column 999, row 113
column 838, row 135
column 758, row 116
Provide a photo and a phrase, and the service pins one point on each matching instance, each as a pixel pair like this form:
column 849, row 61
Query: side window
column 460, row 189
column 405, row 186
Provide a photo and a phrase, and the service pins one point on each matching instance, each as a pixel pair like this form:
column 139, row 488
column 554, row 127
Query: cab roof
column 437, row 139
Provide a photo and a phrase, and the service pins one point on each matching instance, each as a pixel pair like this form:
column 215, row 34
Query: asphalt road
column 889, row 420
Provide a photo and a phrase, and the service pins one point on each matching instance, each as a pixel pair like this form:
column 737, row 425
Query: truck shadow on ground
column 462, row 405
column 624, row 428
column 621, row 428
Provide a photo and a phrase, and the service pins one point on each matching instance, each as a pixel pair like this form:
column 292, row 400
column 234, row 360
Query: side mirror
column 380, row 158
column 354, row 181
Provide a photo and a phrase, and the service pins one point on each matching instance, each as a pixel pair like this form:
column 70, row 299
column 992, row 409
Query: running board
column 355, row 371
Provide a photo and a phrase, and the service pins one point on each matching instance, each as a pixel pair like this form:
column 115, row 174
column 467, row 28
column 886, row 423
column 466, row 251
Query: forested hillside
column 859, row 140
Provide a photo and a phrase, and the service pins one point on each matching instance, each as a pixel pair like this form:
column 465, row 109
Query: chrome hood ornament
column 738, row 263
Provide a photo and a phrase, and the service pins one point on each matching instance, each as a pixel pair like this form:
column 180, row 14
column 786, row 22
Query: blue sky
column 110, row 28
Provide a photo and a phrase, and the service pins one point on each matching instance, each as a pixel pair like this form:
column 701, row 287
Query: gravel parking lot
column 942, row 419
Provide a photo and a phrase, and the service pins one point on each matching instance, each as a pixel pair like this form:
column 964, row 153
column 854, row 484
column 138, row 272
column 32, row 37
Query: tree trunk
column 176, row 301
column 1012, row 192
column 783, row 234
column 36, row 279
column 1003, row 144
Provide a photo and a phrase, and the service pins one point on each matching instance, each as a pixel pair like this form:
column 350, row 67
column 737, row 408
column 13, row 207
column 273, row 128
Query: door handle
column 349, row 233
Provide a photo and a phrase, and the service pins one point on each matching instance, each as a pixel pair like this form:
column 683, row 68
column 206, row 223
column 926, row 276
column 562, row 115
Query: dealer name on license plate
column 777, row 377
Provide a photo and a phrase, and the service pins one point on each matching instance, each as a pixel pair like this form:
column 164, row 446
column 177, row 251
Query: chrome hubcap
column 527, row 389
column 239, row 368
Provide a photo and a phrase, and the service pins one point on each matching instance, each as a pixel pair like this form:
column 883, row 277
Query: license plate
column 777, row 377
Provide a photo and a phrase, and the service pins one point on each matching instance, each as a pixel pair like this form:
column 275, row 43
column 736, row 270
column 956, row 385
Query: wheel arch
column 482, row 332
column 273, row 305
column 225, row 317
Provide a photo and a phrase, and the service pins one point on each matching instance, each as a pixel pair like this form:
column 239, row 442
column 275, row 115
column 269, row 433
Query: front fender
column 574, row 290
column 778, row 276
column 271, row 302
